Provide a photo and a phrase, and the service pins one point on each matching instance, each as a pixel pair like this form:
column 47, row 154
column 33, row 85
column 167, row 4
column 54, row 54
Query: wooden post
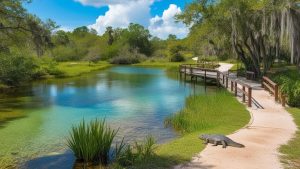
column 184, row 72
column 235, row 88
column 250, row 97
column 276, row 92
column 226, row 82
column 283, row 100
column 223, row 79
column 218, row 78
column 205, row 76
column 231, row 85
column 262, row 82
column 244, row 96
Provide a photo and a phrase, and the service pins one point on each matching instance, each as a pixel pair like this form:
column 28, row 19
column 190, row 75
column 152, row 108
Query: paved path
column 269, row 128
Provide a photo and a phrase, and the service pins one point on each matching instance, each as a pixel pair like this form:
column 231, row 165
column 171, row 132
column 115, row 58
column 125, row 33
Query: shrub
column 15, row 68
column 289, row 82
column 129, row 155
column 125, row 60
column 128, row 56
column 91, row 142
column 176, row 56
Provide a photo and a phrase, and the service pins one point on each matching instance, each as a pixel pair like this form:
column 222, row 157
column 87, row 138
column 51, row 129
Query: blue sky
column 156, row 15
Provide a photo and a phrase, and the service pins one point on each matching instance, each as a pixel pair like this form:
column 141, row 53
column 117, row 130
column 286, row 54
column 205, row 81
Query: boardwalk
column 270, row 126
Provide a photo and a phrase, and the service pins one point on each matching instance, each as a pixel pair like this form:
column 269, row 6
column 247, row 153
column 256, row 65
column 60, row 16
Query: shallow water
column 135, row 100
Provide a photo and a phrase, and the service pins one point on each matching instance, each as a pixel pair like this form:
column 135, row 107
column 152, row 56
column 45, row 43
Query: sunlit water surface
column 135, row 100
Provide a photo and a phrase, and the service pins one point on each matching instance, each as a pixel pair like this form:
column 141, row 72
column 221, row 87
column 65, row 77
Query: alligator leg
column 206, row 141
column 215, row 143
column 224, row 144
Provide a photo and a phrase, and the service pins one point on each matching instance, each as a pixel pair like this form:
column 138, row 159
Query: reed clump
column 92, row 142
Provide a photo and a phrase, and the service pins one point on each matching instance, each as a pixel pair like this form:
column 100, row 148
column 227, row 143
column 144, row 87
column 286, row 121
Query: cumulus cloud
column 166, row 24
column 99, row 3
column 121, row 15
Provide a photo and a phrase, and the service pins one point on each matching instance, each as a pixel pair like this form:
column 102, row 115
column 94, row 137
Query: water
column 135, row 100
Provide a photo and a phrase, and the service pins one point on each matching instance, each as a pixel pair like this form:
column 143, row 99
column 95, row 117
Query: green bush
column 128, row 155
column 175, row 52
column 128, row 56
column 289, row 82
column 177, row 57
column 48, row 66
column 91, row 142
column 16, row 68
column 125, row 60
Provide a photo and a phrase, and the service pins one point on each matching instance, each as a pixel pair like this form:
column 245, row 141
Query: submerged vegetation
column 291, row 151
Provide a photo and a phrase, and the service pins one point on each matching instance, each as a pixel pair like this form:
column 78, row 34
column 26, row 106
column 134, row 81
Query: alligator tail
column 238, row 145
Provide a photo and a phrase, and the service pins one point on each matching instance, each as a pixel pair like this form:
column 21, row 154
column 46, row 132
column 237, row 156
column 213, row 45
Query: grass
column 163, row 63
column 91, row 142
column 213, row 113
column 291, row 151
column 72, row 69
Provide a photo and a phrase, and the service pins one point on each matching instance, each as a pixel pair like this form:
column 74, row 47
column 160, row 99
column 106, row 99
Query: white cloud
column 121, row 15
column 66, row 29
column 99, row 3
column 165, row 25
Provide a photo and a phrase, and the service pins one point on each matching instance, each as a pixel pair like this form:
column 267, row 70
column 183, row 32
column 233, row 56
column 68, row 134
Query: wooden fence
column 273, row 88
column 196, row 70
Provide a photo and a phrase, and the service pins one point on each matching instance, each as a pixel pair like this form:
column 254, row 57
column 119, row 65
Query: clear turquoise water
column 135, row 100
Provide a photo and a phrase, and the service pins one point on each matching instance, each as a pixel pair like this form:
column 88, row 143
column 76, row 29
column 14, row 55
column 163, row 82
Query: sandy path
column 269, row 128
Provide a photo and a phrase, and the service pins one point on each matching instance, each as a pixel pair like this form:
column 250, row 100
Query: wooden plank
column 270, row 88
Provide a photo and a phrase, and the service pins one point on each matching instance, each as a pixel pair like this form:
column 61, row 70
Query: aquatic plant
column 91, row 142
column 129, row 155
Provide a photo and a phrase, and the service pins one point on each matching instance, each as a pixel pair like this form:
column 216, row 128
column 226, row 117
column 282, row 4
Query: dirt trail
column 269, row 128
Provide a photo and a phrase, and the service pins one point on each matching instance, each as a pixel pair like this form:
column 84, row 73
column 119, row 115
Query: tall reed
column 91, row 142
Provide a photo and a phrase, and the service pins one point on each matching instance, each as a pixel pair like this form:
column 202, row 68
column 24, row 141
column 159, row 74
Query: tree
column 81, row 31
column 61, row 38
column 138, row 38
column 254, row 27
column 172, row 37
column 109, row 31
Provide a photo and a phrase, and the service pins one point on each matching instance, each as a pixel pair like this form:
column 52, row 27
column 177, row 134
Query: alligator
column 218, row 139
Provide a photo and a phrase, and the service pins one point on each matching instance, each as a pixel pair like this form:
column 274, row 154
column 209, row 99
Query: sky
column 156, row 15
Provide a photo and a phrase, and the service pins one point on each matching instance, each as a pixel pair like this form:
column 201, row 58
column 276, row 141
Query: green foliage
column 132, row 155
column 138, row 38
column 127, row 56
column 207, row 111
column 291, row 151
column 176, row 56
column 289, row 82
column 91, row 142
column 16, row 68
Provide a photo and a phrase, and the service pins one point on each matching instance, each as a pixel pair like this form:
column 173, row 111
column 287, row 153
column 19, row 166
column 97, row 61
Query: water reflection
column 136, row 100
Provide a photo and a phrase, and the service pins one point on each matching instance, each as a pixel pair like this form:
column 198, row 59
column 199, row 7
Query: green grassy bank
column 291, row 151
column 72, row 69
column 213, row 113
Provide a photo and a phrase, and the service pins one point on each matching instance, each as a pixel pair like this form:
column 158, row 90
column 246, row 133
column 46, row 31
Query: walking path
column 269, row 128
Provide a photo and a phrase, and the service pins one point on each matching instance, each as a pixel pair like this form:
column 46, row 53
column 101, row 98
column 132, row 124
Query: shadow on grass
column 163, row 162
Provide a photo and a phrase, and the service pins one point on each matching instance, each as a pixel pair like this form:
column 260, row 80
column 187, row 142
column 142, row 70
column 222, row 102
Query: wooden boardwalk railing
column 194, row 70
column 273, row 88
